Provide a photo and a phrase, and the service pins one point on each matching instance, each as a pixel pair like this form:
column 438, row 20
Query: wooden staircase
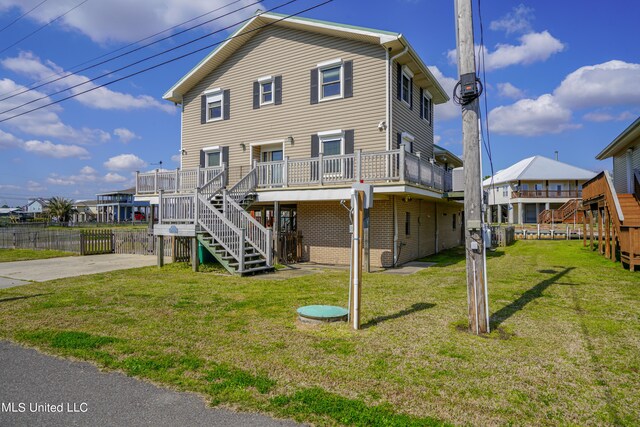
column 617, row 217
column 569, row 213
column 235, row 239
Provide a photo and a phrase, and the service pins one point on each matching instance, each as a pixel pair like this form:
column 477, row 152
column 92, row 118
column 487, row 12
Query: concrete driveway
column 22, row 272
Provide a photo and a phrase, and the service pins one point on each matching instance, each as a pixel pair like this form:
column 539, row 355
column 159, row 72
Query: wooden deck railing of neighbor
column 538, row 194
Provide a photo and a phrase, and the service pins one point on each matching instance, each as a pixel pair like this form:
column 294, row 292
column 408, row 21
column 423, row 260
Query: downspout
column 181, row 125
column 395, row 232
column 389, row 94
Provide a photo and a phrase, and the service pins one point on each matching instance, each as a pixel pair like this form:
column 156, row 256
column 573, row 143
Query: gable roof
column 628, row 136
column 446, row 156
column 387, row 39
column 539, row 168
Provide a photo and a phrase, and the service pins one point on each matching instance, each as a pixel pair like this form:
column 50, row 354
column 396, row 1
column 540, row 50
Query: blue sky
column 561, row 75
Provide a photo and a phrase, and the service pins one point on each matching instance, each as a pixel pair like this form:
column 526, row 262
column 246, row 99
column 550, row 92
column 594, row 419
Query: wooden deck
column 616, row 217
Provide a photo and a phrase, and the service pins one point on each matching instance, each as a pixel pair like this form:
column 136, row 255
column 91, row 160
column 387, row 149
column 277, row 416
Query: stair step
column 251, row 255
column 254, row 262
column 256, row 270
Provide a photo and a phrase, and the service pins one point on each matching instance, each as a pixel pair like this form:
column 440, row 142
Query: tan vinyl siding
column 620, row 173
column 291, row 54
column 406, row 120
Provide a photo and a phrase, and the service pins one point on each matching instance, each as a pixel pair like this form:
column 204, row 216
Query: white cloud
column 533, row 47
column 610, row 83
column 8, row 140
column 448, row 110
column 44, row 122
column 125, row 20
column 114, row 178
column 507, row 90
column 28, row 64
column 598, row 116
column 176, row 158
column 125, row 162
column 516, row 21
column 87, row 174
column 531, row 117
column 88, row 170
column 125, row 135
column 35, row 187
column 56, row 151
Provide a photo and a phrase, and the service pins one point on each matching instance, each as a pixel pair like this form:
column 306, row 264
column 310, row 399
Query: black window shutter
column 202, row 161
column 315, row 145
column 226, row 96
column 348, row 79
column 411, row 94
column 431, row 111
column 399, row 140
column 277, row 83
column 422, row 104
column 256, row 95
column 314, row 86
column 348, row 141
column 399, row 81
column 203, row 109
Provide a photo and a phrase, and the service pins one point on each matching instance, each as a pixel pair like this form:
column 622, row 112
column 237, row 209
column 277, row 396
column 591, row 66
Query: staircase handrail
column 246, row 185
column 255, row 233
column 614, row 196
column 214, row 185
column 220, row 228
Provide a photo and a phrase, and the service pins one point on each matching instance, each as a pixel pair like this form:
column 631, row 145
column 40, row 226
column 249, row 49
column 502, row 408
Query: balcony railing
column 370, row 167
column 540, row 194
column 174, row 181
column 384, row 166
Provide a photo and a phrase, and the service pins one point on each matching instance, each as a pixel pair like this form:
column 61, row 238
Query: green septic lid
column 322, row 312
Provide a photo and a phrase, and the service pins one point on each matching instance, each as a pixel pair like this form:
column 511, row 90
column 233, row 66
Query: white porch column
column 546, row 206
column 520, row 213
column 489, row 209
column 499, row 214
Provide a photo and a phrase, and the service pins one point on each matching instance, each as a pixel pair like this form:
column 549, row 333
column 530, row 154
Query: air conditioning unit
column 458, row 179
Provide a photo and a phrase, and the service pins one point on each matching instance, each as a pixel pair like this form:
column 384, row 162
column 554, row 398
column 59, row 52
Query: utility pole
column 473, row 232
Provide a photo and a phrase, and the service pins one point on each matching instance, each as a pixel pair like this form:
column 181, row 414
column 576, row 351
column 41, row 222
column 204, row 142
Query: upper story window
column 266, row 90
column 505, row 191
column 332, row 80
column 331, row 143
column 426, row 106
column 215, row 105
column 406, row 87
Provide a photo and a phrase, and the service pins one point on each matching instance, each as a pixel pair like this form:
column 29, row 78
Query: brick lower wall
column 326, row 239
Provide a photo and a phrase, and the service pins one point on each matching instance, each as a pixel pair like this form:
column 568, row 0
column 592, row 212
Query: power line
column 23, row 15
column 168, row 61
column 138, row 61
column 40, row 84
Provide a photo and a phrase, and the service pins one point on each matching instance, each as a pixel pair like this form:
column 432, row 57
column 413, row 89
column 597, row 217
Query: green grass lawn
column 8, row 255
column 565, row 347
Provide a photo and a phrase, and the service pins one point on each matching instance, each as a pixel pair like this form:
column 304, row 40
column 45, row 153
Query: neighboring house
column 36, row 207
column 85, row 211
column 521, row 192
column 613, row 203
column 119, row 206
column 294, row 111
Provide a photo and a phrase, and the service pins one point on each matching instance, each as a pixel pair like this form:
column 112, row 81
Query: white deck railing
column 174, row 181
column 384, row 166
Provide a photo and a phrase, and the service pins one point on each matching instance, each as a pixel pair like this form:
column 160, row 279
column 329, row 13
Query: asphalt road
column 88, row 397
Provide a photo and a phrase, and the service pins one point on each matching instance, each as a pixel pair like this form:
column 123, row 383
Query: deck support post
column 600, row 251
column 591, row 229
column 194, row 254
column 584, row 229
column 607, row 231
column 160, row 251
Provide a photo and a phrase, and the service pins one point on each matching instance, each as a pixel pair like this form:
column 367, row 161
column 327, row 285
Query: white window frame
column 329, row 136
column 427, row 100
column 213, row 94
column 505, row 191
column 406, row 72
column 406, row 137
column 325, row 66
column 261, row 82
column 209, row 150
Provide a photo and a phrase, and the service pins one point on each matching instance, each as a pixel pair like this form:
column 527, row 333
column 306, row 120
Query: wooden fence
column 94, row 241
